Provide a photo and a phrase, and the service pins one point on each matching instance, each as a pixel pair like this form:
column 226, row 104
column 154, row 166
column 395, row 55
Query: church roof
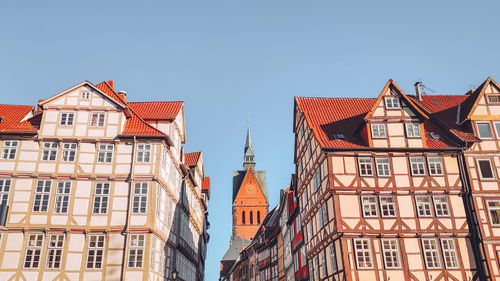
column 237, row 245
column 239, row 176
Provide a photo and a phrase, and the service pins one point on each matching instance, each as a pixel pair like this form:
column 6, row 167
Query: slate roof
column 237, row 245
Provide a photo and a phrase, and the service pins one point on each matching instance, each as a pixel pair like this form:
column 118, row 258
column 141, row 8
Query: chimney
column 111, row 83
column 123, row 95
column 418, row 90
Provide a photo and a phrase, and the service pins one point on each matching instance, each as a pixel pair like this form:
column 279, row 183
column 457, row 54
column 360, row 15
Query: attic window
column 494, row 98
column 1, row 119
column 85, row 95
column 435, row 136
column 436, row 102
column 392, row 103
column 339, row 136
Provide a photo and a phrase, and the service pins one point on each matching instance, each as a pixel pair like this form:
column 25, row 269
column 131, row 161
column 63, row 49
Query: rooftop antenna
column 421, row 89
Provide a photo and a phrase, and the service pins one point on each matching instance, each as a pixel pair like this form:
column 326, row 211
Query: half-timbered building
column 94, row 187
column 380, row 191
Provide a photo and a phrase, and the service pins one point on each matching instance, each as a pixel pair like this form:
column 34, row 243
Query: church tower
column 250, row 198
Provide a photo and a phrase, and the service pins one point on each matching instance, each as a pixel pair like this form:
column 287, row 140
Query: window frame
column 68, row 152
column 136, row 251
column 479, row 132
column 443, row 205
column 392, row 107
column 49, row 151
column 366, row 165
column 368, row 250
column 391, row 206
column 143, row 154
column 451, row 251
column 480, row 173
column 44, row 195
column 378, row 135
column 96, row 250
column 83, row 97
column 412, row 161
column 5, row 186
column 494, row 208
column 435, row 251
column 55, row 252
column 384, row 166
column 497, row 130
column 430, row 165
column 64, row 116
column 139, row 198
column 62, row 197
column 413, row 127
column 37, row 250
column 429, row 205
column 370, row 204
column 105, row 153
column 395, row 255
column 9, row 149
column 101, row 195
column 99, row 121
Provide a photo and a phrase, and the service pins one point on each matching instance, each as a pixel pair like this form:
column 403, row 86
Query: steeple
column 248, row 158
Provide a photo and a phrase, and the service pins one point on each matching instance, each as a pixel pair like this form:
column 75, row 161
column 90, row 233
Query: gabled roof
column 239, row 176
column 191, row 159
column 471, row 102
column 11, row 115
column 156, row 110
column 205, row 186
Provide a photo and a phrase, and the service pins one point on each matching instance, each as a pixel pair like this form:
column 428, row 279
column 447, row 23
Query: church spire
column 248, row 158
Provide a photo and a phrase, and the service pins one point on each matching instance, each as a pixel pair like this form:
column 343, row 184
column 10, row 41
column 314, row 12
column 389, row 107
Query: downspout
column 482, row 270
column 129, row 203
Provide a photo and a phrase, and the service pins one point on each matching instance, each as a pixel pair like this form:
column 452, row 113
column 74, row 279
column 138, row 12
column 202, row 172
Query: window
column 431, row 254
column 449, row 253
column 42, row 196
column 441, row 206
column 136, row 251
column 140, row 198
column 101, row 198
column 97, row 119
column 484, row 130
column 333, row 258
column 258, row 217
column 251, row 217
column 62, row 197
column 383, row 169
column 9, row 150
column 365, row 166
column 54, row 251
column 33, row 251
column 309, row 151
column 105, row 154
column 324, row 214
column 494, row 210
column 387, row 206
column 363, row 253
column 392, row 103
column 317, row 179
column 485, row 169
column 423, row 206
column 49, row 151
column 4, row 191
column 390, row 250
column 143, row 153
column 493, row 98
column 417, row 166
column 435, row 166
column 497, row 128
column 68, row 152
column 378, row 131
column 369, row 205
column 322, row 270
column 95, row 251
column 85, row 95
column 67, row 119
column 412, row 130
column 243, row 217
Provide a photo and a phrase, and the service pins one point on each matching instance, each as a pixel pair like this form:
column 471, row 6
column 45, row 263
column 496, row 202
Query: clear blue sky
column 228, row 58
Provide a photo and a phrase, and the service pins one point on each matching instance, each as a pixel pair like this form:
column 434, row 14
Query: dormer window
column 339, row 136
column 378, row 131
column 493, row 98
column 484, row 130
column 412, row 130
column 435, row 136
column 392, row 103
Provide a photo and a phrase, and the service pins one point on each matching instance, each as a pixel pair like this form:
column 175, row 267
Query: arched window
column 258, row 217
column 243, row 217
column 251, row 217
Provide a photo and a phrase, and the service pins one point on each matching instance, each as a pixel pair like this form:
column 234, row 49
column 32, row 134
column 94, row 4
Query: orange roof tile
column 205, row 186
column 157, row 110
column 327, row 116
column 12, row 114
column 190, row 159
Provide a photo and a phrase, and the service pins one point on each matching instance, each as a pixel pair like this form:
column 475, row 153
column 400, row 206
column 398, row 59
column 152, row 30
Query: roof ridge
column 154, row 101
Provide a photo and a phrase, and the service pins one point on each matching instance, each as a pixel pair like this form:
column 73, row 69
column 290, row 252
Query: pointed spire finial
column 248, row 157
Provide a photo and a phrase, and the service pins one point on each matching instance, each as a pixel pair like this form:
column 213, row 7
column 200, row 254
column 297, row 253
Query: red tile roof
column 190, row 159
column 327, row 116
column 12, row 114
column 157, row 110
column 205, row 186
